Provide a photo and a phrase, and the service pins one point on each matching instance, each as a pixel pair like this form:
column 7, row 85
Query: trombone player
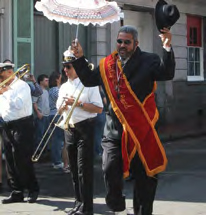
column 36, row 90
column 79, row 136
column 16, row 111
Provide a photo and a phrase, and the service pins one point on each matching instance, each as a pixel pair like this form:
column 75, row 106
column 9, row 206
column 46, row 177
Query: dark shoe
column 32, row 197
column 14, row 197
column 83, row 213
column 75, row 208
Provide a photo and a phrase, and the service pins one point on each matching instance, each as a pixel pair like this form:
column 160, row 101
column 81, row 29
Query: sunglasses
column 126, row 42
column 2, row 69
column 68, row 66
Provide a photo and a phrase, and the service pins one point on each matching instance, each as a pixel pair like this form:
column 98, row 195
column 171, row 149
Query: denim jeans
column 41, row 126
column 57, row 141
column 98, row 132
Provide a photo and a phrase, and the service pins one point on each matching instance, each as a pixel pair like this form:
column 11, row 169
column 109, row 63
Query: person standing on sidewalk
column 16, row 112
column 128, row 76
column 80, row 135
column 99, row 127
column 41, row 109
column 57, row 138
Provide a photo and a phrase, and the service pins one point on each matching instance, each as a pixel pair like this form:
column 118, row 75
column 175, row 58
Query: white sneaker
column 66, row 169
column 121, row 212
column 58, row 166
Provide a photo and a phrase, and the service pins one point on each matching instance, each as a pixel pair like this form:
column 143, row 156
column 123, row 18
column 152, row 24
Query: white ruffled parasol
column 80, row 11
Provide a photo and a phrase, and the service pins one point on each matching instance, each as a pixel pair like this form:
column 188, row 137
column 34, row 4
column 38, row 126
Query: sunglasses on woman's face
column 126, row 42
column 68, row 66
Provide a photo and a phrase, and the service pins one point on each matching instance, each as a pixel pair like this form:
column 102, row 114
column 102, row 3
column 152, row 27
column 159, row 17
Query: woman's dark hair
column 53, row 79
column 64, row 77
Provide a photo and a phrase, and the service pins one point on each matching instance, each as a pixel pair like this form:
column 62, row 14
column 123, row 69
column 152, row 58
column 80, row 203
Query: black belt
column 19, row 120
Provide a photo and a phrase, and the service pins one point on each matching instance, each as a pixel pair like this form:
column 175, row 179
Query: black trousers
column 144, row 186
column 80, row 151
column 18, row 141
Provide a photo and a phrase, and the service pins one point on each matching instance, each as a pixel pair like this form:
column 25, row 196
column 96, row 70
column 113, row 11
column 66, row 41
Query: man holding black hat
column 131, row 143
column 80, row 134
column 16, row 111
column 166, row 15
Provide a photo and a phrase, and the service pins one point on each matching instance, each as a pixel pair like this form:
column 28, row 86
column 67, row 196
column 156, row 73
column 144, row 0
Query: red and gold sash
column 138, row 119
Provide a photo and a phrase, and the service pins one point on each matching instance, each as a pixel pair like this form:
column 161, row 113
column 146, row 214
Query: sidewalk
column 185, row 129
column 181, row 189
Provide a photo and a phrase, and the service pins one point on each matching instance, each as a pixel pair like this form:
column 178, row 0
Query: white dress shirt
column 16, row 103
column 89, row 95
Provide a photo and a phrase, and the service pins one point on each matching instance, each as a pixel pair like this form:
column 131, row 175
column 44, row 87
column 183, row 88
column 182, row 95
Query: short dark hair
column 53, row 79
column 41, row 78
column 7, row 60
column 130, row 30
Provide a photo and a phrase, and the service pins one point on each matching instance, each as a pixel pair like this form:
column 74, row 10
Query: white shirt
column 89, row 95
column 16, row 103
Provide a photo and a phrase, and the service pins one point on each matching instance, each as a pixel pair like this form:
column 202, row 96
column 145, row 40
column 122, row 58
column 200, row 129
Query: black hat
column 68, row 56
column 166, row 15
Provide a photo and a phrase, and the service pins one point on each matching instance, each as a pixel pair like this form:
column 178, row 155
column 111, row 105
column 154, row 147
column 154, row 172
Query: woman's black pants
column 80, row 151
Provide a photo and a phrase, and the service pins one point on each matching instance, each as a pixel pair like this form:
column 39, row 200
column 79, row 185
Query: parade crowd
column 108, row 111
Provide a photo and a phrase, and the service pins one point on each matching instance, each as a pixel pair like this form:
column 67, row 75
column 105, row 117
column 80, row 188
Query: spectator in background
column 99, row 126
column 36, row 90
column 41, row 109
column 65, row 157
column 57, row 139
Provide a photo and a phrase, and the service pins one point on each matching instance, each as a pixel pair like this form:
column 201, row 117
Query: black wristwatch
column 81, row 105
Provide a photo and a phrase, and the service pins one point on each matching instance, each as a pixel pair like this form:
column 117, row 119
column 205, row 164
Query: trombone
column 64, row 124
column 61, row 123
column 19, row 73
column 35, row 157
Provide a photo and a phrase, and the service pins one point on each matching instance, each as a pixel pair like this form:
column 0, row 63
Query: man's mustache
column 122, row 49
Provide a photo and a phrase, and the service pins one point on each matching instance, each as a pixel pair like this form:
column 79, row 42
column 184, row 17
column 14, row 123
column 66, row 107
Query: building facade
column 26, row 36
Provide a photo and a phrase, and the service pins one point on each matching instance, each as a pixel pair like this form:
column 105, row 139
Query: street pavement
column 181, row 189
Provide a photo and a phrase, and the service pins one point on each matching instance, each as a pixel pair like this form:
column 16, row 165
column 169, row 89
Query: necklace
column 117, row 87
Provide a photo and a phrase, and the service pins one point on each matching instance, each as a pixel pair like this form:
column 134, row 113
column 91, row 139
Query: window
column 195, row 50
column 23, row 33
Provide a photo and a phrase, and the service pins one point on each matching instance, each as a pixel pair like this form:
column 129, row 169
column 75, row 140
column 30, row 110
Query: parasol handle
column 77, row 32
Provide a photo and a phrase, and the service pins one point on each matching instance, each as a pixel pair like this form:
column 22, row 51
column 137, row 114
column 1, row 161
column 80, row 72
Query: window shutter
column 23, row 33
column 194, row 32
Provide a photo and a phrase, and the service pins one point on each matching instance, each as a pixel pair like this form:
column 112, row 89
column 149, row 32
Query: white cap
column 6, row 65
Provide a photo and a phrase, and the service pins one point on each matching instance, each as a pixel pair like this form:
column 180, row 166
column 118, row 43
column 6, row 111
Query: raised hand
column 166, row 37
column 77, row 49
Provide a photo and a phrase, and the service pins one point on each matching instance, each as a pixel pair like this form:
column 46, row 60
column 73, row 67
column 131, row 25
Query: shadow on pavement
column 183, row 181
